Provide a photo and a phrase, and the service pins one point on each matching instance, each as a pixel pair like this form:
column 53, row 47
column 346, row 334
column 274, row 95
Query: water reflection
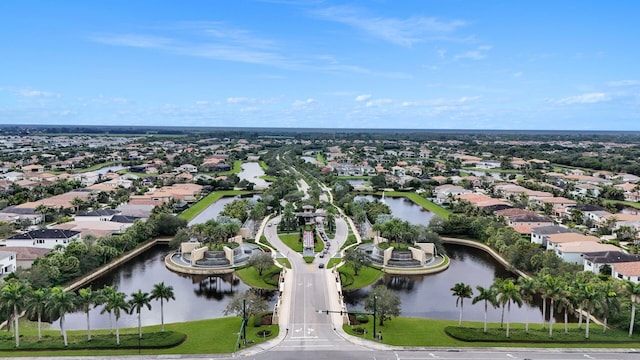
column 197, row 297
column 429, row 296
column 251, row 171
column 403, row 208
column 213, row 210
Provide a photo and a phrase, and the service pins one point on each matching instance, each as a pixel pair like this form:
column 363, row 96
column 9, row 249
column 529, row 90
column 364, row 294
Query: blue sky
column 431, row 64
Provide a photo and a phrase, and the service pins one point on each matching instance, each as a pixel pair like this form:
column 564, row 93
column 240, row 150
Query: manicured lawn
column 366, row 276
column 199, row 207
column 285, row 262
column 251, row 277
column 292, row 241
column 627, row 203
column 359, row 177
column 263, row 165
column 404, row 331
column 320, row 158
column 426, row 204
column 237, row 167
column 94, row 167
column 268, row 178
column 203, row 337
column 333, row 262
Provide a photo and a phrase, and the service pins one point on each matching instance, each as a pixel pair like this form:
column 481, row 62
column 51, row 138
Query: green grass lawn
column 237, row 167
column 250, row 276
column 366, row 276
column 404, row 331
column 263, row 165
column 285, row 262
column 426, row 204
column 268, row 178
column 292, row 241
column 203, row 337
column 359, row 177
column 333, row 262
column 320, row 158
column 199, row 207
column 627, row 203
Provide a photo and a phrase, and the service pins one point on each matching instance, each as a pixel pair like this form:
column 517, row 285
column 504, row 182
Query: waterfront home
column 573, row 252
column 7, row 263
column 44, row 238
column 25, row 255
column 594, row 261
column 554, row 240
column 539, row 235
column 627, row 271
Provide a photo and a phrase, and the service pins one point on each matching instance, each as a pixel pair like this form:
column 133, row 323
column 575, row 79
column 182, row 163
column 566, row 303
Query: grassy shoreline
column 419, row 200
column 199, row 207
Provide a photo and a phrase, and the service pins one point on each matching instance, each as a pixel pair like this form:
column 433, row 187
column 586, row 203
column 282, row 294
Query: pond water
column 214, row 209
column 113, row 168
column 357, row 182
column 309, row 159
column 495, row 175
column 251, row 171
column 197, row 297
column 403, row 208
column 429, row 296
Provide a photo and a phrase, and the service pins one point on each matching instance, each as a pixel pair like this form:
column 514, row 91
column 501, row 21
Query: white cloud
column 363, row 97
column 589, row 98
column 378, row 102
column 299, row 103
column 36, row 93
column 621, row 83
column 240, row 100
column 404, row 32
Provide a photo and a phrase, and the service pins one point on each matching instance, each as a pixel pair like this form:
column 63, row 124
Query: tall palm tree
column 633, row 290
column 609, row 302
column 461, row 291
column 488, row 295
column 528, row 288
column 35, row 305
column 11, row 296
column 138, row 301
column 540, row 280
column 86, row 299
column 592, row 298
column 552, row 288
column 162, row 292
column 497, row 284
column 105, row 293
column 565, row 304
column 116, row 303
column 507, row 293
column 61, row 301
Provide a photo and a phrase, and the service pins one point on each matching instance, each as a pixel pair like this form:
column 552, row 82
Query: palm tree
column 11, row 296
column 487, row 295
column 35, row 305
column 565, row 304
column 105, row 293
column 162, row 292
column 528, row 289
column 61, row 302
column 609, row 302
column 507, row 293
column 461, row 291
column 634, row 292
column 116, row 303
column 86, row 299
column 138, row 301
column 552, row 288
column 592, row 298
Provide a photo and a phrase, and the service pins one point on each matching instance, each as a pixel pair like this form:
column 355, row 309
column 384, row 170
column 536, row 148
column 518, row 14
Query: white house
column 627, row 271
column 44, row 238
column 7, row 263
column 539, row 234
column 594, row 261
column 573, row 252
column 88, row 178
column 97, row 215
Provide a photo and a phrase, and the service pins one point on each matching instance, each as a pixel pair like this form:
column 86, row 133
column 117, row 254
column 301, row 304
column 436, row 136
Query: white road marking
column 588, row 356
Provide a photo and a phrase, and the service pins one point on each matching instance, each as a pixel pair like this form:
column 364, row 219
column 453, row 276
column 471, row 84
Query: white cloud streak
column 589, row 98
column 404, row 32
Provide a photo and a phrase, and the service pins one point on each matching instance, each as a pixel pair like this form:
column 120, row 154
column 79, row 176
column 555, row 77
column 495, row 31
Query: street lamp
column 375, row 308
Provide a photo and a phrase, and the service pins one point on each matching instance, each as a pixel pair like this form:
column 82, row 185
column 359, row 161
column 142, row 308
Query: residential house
column 594, row 261
column 554, row 240
column 573, row 252
column 8, row 263
column 44, row 238
column 97, row 215
column 539, row 234
column 627, row 271
column 444, row 193
column 25, row 255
